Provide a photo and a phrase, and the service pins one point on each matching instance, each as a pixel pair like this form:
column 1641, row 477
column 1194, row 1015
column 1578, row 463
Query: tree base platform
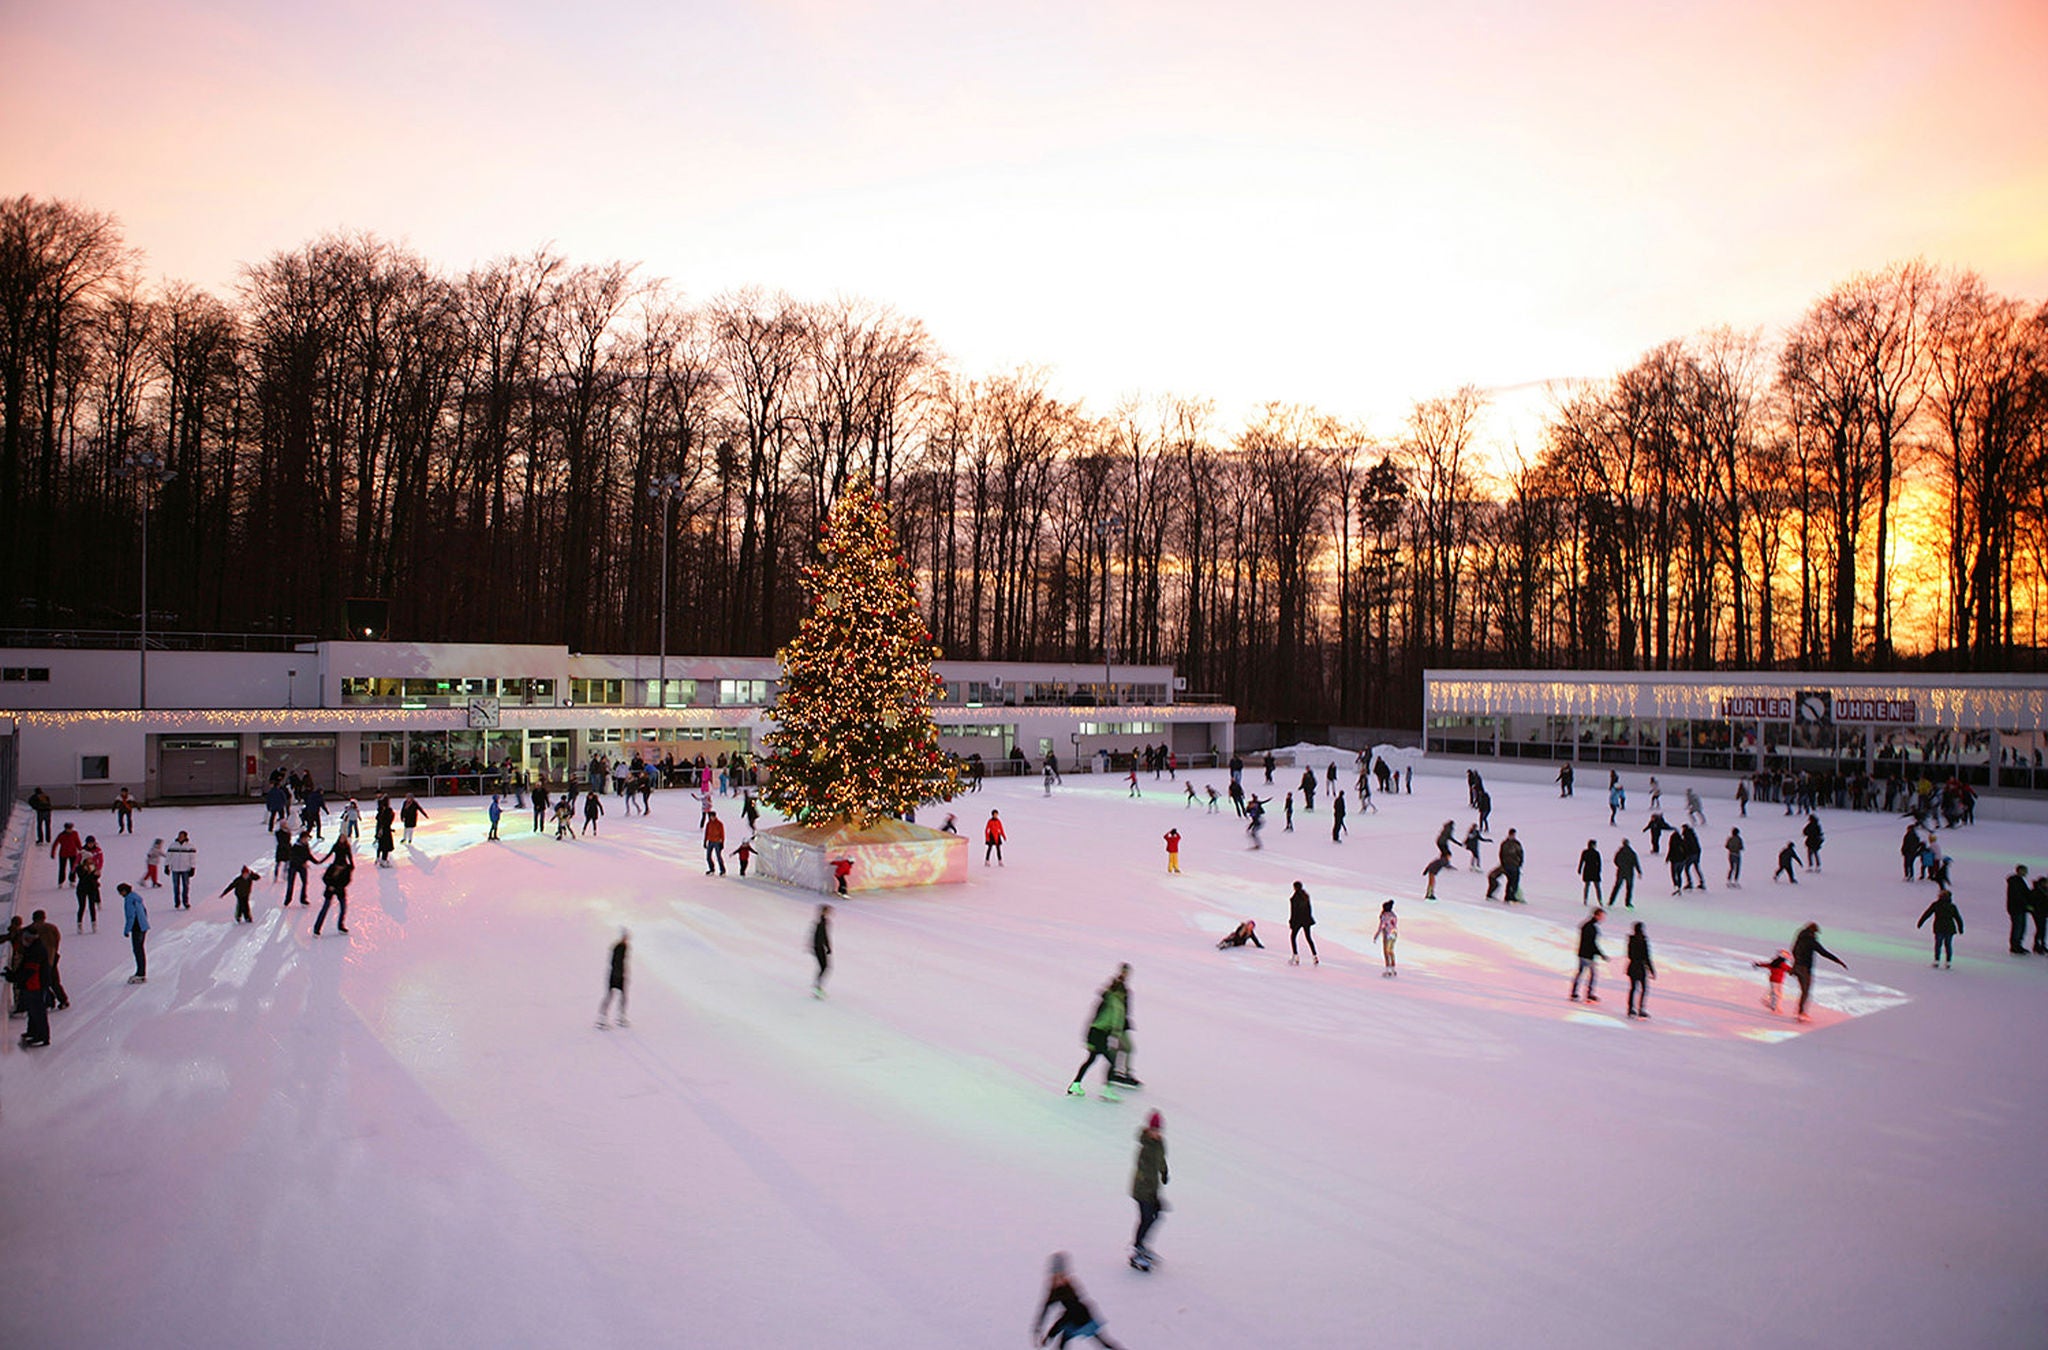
column 886, row 855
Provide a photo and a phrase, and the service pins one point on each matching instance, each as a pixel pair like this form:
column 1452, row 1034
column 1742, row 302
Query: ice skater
column 592, row 809
column 1628, row 865
column 1694, row 811
column 495, row 811
column 1075, row 1320
column 1246, row 932
column 1146, row 1179
column 1429, row 873
column 152, row 866
column 341, row 869
column 1734, row 847
column 1788, row 863
column 1641, row 970
column 1948, row 921
column 135, row 927
column 241, row 887
column 1301, row 921
column 1775, row 970
column 1814, row 839
column 714, row 846
column 992, row 836
column 1473, row 839
column 842, row 868
column 1589, row 954
column 1387, row 932
column 1805, row 947
column 1173, row 851
column 411, row 814
column 1589, row 873
column 615, row 983
column 1111, row 1019
column 821, row 949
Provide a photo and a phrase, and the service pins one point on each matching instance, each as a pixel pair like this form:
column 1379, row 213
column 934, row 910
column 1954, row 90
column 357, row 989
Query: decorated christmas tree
column 855, row 739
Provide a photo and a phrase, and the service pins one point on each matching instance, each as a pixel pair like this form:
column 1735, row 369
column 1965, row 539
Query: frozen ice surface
column 414, row 1136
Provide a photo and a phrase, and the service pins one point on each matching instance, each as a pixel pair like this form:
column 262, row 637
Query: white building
column 359, row 715
column 1985, row 729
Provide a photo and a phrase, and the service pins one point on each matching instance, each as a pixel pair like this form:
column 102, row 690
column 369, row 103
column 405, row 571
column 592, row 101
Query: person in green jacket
column 1146, row 1180
column 1112, row 1018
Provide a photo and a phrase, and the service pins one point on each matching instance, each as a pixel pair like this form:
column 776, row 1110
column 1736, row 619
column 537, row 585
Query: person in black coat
column 1076, row 1321
column 1589, row 873
column 2038, row 905
column 615, row 982
column 1948, row 921
column 1641, row 970
column 1239, row 936
column 2016, row 904
column 1301, row 918
column 1589, row 952
column 1804, row 948
column 821, row 949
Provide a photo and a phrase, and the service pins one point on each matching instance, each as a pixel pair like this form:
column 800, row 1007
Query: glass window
column 742, row 693
column 383, row 749
column 93, row 769
column 681, row 694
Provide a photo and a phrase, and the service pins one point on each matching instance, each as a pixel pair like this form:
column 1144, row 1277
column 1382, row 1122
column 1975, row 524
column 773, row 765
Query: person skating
column 1641, row 970
column 992, row 836
column 241, row 886
column 745, row 854
column 540, row 807
column 1589, row 873
column 351, row 821
column 1948, row 921
column 86, row 883
column 1246, row 932
column 1073, row 1319
column 1734, row 847
column 2037, row 905
column 1814, row 839
column 183, row 858
column 1336, row 815
column 1484, row 806
column 1805, row 947
column 124, row 813
column 33, row 979
column 135, row 927
column 1301, row 922
column 1473, row 839
column 1627, row 866
column 821, row 949
column 298, row 869
column 1131, row 781
column 1616, row 799
column 1445, row 837
column 1508, row 867
column 280, row 852
column 1657, row 829
column 153, row 866
column 1694, row 811
column 1387, row 933
column 1190, row 795
column 1742, row 797
column 495, row 811
column 1215, row 802
column 411, row 814
column 66, row 848
column 1788, row 863
column 592, row 809
column 1910, row 850
column 1172, row 851
column 1255, row 821
column 2017, row 899
column 749, row 811
column 1429, row 873
column 39, row 925
column 1775, row 971
column 842, row 868
column 341, row 869
column 39, row 802
column 1146, row 1179
column 1308, row 790
column 1112, row 1017
column 1564, row 781
column 1589, row 954
column 615, row 982
column 714, row 845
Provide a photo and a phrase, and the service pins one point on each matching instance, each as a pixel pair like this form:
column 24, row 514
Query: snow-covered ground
column 413, row 1135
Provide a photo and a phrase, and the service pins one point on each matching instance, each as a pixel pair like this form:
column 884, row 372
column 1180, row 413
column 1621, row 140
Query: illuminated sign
column 1819, row 707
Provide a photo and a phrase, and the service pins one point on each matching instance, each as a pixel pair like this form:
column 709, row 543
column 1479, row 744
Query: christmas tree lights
column 855, row 739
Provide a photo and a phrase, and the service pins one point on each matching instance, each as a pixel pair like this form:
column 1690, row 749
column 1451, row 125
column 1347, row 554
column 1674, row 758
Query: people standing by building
column 615, row 982
column 1589, row 955
column 1301, row 922
column 992, row 836
column 135, row 927
column 1805, row 947
column 241, row 886
column 1948, row 921
column 1641, row 970
column 1147, row 1177
column 1387, row 933
column 821, row 948
column 39, row 803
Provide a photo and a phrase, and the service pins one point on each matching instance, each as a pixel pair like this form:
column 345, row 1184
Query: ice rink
column 413, row 1135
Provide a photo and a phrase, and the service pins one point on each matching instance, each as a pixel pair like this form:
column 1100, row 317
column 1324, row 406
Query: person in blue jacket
column 135, row 927
column 495, row 811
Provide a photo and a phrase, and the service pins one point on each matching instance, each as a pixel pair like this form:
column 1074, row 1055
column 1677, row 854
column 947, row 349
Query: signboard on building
column 1821, row 707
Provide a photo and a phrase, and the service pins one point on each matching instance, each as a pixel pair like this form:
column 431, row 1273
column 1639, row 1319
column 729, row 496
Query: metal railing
column 119, row 639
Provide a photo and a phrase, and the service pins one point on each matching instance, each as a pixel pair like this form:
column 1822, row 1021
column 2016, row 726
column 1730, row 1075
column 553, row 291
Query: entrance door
column 312, row 754
column 199, row 766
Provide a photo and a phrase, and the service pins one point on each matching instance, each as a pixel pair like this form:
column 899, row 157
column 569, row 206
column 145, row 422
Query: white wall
column 104, row 679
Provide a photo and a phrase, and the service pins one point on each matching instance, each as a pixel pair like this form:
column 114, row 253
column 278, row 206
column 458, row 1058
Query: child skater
column 1076, row 1321
column 1387, row 932
column 152, row 863
column 1776, row 967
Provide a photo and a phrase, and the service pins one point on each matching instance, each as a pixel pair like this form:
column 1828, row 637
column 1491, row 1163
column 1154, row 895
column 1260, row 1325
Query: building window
column 25, row 674
column 383, row 749
column 681, row 694
column 94, row 769
column 598, row 693
column 1122, row 728
column 742, row 693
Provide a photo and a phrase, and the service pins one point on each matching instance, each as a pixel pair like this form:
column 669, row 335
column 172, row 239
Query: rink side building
column 215, row 723
column 1984, row 729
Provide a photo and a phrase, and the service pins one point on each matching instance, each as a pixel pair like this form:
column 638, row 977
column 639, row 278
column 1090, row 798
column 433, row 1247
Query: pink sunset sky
column 1352, row 205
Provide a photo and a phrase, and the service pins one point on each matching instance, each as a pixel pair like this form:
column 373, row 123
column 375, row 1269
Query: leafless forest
column 495, row 452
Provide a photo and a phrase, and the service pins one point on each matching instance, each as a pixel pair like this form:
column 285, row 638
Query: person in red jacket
column 992, row 835
column 745, row 853
column 842, row 868
column 1173, row 850
column 65, row 848
column 714, row 845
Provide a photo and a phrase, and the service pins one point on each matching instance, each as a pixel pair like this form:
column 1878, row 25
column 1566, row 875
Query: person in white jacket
column 184, row 861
